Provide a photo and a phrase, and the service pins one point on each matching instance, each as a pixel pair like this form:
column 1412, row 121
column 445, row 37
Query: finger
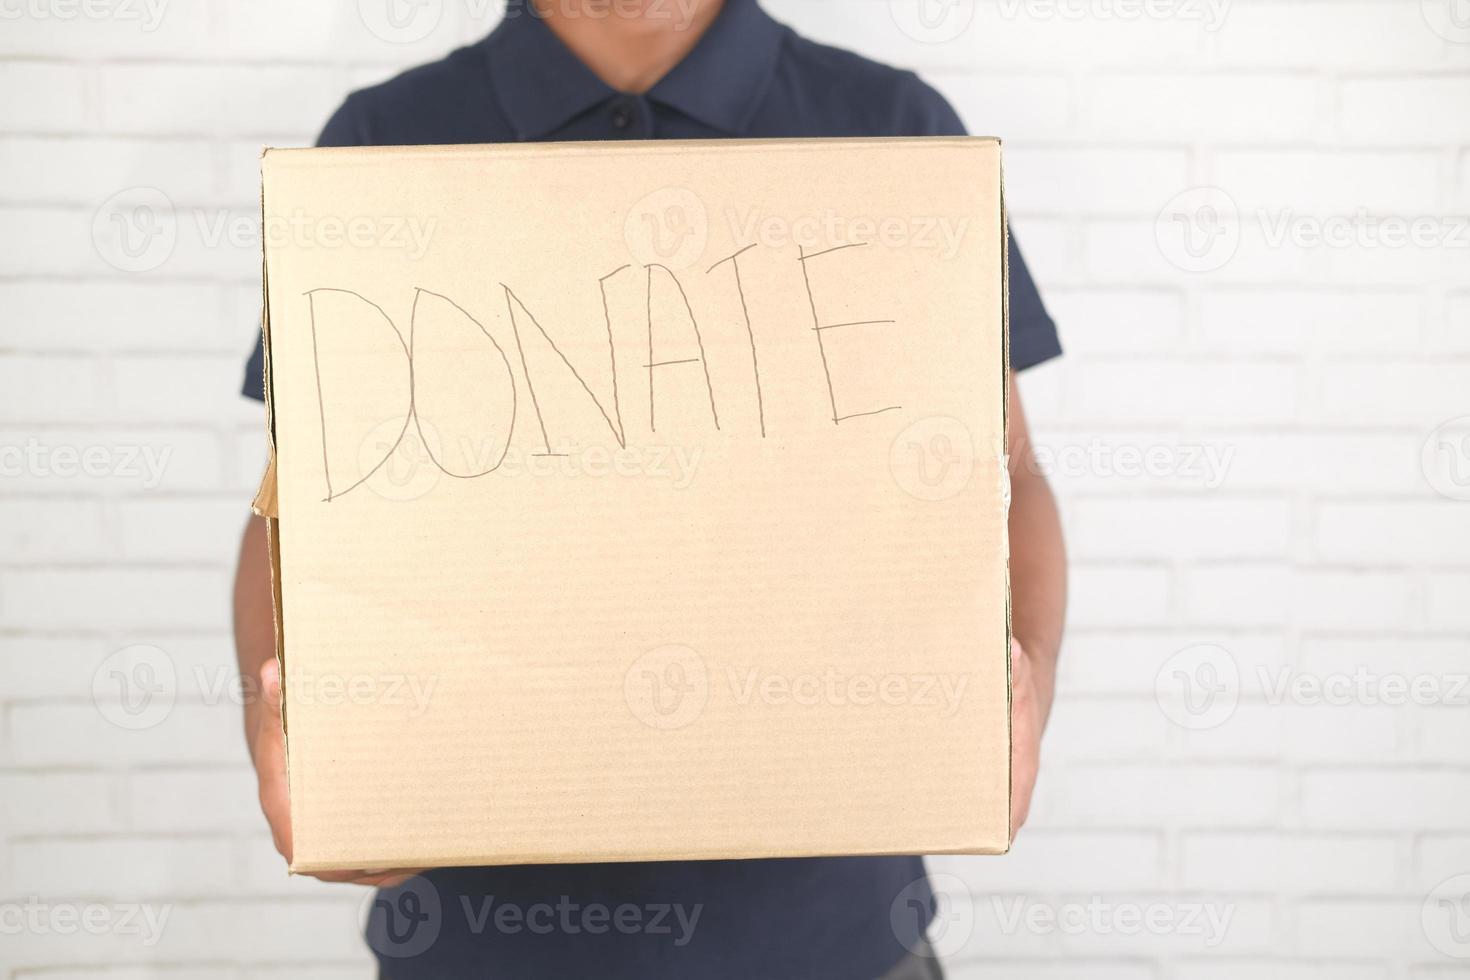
column 376, row 878
column 270, row 758
column 388, row 879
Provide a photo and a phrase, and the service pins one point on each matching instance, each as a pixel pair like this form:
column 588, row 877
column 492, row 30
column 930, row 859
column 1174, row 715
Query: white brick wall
column 1299, row 534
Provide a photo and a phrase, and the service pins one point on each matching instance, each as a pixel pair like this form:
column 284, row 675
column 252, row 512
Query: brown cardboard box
column 639, row 500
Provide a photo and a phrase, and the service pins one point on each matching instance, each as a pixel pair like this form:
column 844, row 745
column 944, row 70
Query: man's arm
column 255, row 649
column 1038, row 604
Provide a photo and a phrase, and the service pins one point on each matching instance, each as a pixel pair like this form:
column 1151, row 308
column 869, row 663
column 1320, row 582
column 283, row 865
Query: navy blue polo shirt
column 812, row 919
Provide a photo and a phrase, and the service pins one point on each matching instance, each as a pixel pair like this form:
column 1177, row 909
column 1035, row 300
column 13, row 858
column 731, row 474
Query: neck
column 629, row 45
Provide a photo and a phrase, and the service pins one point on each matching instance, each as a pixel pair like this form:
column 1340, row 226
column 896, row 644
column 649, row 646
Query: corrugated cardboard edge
column 267, row 500
column 501, row 859
column 266, row 505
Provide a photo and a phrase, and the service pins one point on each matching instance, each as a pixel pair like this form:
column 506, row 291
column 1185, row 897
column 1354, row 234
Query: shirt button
column 622, row 116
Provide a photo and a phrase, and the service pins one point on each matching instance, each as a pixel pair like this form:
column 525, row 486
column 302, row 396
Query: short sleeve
column 345, row 128
column 1033, row 332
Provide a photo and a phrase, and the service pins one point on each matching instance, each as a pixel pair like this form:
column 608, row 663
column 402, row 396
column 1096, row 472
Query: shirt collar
column 541, row 85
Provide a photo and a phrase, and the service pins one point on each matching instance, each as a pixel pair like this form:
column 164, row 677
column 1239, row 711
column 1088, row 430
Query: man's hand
column 1027, row 721
column 1038, row 601
column 268, row 749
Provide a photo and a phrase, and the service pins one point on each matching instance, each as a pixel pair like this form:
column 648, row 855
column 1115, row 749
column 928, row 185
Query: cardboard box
column 639, row 501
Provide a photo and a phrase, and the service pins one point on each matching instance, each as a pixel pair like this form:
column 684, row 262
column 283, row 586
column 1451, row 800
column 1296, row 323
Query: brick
column 1380, row 799
column 1314, row 969
column 185, row 100
column 253, row 31
column 1181, row 527
column 117, row 315
column 1161, row 390
column 1118, row 595
column 1234, row 107
column 42, row 241
column 1440, row 856
column 1444, row 730
column 1365, row 35
column 271, row 931
column 121, row 599
column 113, row 28
column 1361, row 928
column 1120, row 663
column 150, row 388
column 68, row 104
column 1093, row 180
column 1031, row 970
column 39, row 667
column 163, row 528
column 39, row 530
column 1325, row 463
column 193, row 800
column 48, row 734
column 1157, row 795
column 1332, row 182
column 1439, row 663
column 1418, row 110
column 1108, row 321
column 1024, row 34
column 55, row 803
column 49, row 388
column 1449, row 600
column 1058, row 860
column 1295, row 320
column 1408, row 532
column 1351, row 600
column 1448, row 332
column 1111, row 730
column 88, row 170
column 1249, row 595
column 98, row 460
column 124, row 867
column 1019, row 107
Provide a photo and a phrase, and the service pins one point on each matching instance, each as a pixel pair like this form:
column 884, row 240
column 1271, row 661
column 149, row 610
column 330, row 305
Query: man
column 586, row 69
